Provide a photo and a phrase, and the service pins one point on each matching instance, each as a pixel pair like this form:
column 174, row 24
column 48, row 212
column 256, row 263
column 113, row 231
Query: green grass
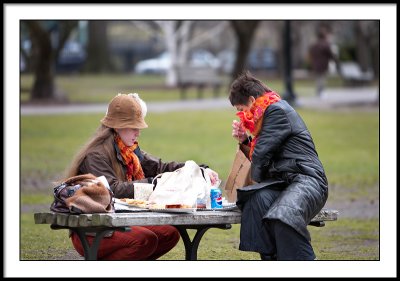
column 347, row 143
column 102, row 88
column 348, row 146
column 347, row 239
column 338, row 240
column 89, row 88
column 39, row 242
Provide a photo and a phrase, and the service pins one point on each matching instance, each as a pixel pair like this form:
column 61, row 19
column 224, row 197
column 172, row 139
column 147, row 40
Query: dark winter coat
column 320, row 55
column 285, row 158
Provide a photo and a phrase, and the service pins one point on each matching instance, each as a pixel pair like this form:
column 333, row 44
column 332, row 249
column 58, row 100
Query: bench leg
column 216, row 91
column 200, row 89
column 192, row 246
column 183, row 92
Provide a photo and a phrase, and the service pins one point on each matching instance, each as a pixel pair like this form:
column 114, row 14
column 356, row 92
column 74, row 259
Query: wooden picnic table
column 201, row 221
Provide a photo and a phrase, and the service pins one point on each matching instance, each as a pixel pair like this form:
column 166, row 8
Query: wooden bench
column 199, row 77
column 352, row 74
column 200, row 221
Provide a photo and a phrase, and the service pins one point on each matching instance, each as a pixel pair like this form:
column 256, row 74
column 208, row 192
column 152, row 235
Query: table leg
column 90, row 251
column 191, row 246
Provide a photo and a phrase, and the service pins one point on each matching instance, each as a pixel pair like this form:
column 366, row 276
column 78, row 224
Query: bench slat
column 198, row 75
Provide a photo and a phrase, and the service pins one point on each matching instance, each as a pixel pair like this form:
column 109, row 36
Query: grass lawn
column 347, row 143
column 88, row 88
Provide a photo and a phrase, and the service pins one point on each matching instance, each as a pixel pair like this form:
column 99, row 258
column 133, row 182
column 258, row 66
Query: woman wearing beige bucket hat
column 114, row 152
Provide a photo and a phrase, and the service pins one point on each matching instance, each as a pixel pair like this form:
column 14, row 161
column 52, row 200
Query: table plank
column 154, row 218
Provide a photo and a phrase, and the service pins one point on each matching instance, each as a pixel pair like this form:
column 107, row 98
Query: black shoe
column 268, row 257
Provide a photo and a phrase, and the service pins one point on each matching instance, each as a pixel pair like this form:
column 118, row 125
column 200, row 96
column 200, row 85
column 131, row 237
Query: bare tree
column 244, row 31
column 179, row 40
column 44, row 53
column 176, row 34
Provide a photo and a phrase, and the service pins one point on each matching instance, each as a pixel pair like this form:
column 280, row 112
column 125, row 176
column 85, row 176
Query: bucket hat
column 124, row 111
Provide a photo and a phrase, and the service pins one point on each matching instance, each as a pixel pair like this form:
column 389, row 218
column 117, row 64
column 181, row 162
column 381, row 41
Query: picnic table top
column 154, row 218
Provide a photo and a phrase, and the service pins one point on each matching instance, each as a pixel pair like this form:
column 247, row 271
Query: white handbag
column 183, row 186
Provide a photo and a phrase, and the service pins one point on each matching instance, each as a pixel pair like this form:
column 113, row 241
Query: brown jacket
column 99, row 164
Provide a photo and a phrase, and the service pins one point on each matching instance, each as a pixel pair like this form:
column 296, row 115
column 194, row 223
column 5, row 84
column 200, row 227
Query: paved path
column 331, row 98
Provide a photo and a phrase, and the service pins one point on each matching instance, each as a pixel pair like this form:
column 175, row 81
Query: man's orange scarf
column 134, row 170
column 252, row 119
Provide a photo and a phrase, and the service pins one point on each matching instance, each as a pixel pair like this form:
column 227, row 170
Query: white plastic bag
column 183, row 186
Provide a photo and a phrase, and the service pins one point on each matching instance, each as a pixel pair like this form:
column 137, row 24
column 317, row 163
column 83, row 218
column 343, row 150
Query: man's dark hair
column 244, row 86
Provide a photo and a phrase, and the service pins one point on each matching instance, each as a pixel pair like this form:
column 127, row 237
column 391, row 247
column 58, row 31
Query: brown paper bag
column 239, row 175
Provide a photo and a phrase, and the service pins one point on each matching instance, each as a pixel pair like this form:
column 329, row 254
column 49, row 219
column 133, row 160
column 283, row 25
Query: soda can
column 216, row 198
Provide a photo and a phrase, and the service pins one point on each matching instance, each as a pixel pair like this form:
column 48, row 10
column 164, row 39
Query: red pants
column 141, row 243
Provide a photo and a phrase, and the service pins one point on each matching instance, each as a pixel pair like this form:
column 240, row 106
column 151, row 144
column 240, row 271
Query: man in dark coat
column 290, row 183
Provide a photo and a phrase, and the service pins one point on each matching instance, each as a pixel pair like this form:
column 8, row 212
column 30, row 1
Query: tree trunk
column 169, row 29
column 244, row 31
column 43, row 62
column 98, row 59
column 43, row 55
column 362, row 46
column 367, row 45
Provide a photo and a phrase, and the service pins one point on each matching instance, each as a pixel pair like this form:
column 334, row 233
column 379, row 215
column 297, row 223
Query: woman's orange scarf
column 134, row 169
column 252, row 119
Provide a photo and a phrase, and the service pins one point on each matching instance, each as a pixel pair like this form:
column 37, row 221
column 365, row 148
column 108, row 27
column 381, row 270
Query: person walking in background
column 114, row 152
column 290, row 186
column 320, row 54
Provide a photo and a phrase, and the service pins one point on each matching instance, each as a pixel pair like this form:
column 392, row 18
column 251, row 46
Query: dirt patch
column 71, row 255
column 35, row 208
column 358, row 209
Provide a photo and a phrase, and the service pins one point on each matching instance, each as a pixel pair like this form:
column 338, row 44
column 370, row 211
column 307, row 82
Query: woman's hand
column 238, row 132
column 213, row 176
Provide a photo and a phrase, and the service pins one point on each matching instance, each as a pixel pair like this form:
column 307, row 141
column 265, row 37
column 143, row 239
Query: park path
column 330, row 99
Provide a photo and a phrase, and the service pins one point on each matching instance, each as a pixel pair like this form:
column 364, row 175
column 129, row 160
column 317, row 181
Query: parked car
column 203, row 58
column 227, row 60
column 71, row 57
column 257, row 59
column 262, row 59
column 160, row 64
column 157, row 65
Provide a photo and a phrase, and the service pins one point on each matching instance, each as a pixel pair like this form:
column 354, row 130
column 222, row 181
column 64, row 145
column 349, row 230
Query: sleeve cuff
column 247, row 141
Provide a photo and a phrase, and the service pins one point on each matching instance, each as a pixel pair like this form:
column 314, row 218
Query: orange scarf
column 134, row 169
column 252, row 119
